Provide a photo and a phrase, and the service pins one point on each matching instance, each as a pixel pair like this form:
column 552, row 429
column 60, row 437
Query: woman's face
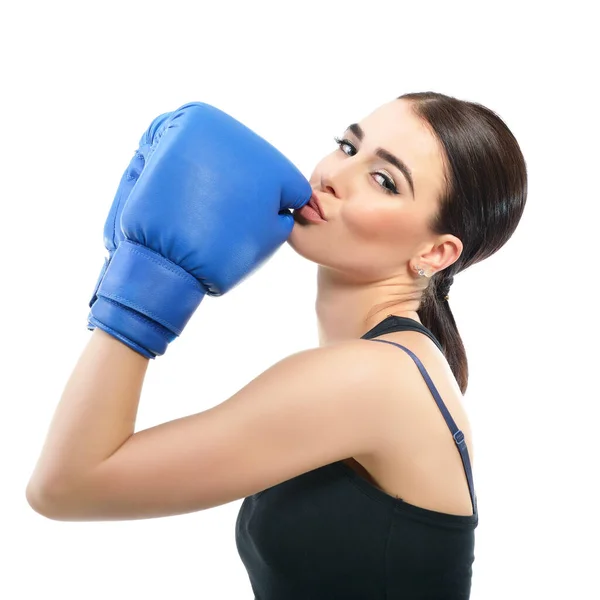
column 371, row 234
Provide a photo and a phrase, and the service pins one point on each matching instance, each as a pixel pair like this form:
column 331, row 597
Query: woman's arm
column 95, row 417
column 308, row 410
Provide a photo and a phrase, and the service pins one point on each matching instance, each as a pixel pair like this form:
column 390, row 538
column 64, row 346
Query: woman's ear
column 445, row 252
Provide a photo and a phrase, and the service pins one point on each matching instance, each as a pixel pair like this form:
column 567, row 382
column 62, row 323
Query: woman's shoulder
column 408, row 398
column 404, row 365
column 385, row 379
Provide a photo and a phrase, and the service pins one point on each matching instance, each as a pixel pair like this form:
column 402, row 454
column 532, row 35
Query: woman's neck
column 347, row 310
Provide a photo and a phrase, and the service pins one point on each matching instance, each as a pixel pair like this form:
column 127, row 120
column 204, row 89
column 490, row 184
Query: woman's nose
column 337, row 179
column 328, row 187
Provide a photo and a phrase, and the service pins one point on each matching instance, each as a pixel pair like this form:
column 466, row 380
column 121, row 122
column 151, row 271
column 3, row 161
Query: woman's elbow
column 41, row 502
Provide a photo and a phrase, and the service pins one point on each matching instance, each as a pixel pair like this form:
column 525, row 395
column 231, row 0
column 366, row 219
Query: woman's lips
column 316, row 204
column 310, row 214
column 312, row 211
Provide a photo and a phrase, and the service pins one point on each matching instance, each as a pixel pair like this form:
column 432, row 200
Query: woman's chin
column 299, row 245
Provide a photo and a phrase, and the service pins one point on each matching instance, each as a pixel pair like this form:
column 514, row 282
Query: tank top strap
column 457, row 434
column 394, row 323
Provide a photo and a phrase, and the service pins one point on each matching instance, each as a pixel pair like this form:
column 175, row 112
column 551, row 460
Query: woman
column 353, row 458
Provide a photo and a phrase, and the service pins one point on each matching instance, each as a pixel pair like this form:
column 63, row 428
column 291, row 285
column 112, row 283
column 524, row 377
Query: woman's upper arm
column 308, row 410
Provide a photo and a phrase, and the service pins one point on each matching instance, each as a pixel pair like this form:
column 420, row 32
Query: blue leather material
column 138, row 328
column 145, row 282
column 211, row 204
column 112, row 229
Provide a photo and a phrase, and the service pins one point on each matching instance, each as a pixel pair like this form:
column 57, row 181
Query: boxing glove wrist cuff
column 145, row 298
column 135, row 327
column 102, row 271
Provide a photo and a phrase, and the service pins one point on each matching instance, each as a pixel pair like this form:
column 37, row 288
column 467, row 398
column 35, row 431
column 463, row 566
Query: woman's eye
column 344, row 144
column 389, row 186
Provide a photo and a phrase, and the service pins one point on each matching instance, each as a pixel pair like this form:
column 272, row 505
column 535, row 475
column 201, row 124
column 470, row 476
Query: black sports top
column 330, row 534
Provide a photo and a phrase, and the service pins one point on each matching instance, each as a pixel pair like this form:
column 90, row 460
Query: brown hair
column 484, row 199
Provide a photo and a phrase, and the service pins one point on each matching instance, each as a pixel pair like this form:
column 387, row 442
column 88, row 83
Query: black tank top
column 330, row 534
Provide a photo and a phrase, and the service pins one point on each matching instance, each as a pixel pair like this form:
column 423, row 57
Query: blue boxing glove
column 113, row 235
column 211, row 205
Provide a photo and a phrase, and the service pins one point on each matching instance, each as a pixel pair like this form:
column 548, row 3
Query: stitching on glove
column 168, row 330
column 175, row 269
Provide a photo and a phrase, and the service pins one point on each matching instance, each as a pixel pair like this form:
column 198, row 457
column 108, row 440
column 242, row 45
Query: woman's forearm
column 95, row 416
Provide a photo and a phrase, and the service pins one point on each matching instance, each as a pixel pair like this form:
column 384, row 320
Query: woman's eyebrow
column 357, row 130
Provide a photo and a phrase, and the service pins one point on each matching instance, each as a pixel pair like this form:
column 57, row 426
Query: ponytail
column 435, row 314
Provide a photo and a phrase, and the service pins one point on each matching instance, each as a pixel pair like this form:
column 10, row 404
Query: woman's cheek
column 375, row 222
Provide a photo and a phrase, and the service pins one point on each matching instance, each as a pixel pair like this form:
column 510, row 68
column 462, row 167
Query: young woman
column 353, row 458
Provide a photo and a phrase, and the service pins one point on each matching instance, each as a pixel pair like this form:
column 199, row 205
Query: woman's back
column 334, row 533
column 417, row 459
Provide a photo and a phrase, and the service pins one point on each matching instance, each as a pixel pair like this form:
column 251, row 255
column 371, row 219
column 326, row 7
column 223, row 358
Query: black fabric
column 330, row 534
column 394, row 323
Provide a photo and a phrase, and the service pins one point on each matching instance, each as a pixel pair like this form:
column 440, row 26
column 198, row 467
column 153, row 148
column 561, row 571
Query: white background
column 81, row 82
